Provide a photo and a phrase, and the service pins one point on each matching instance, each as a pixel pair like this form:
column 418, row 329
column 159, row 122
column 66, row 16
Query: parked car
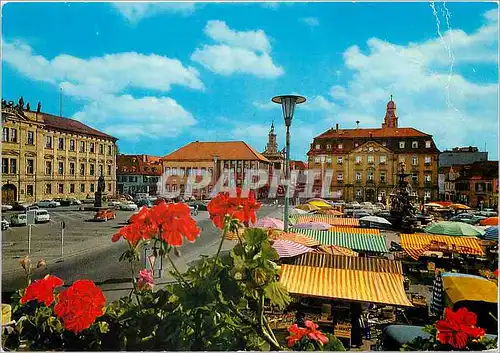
column 5, row 224
column 128, row 206
column 19, row 219
column 20, row 206
column 32, row 207
column 104, row 215
column 48, row 203
column 144, row 202
column 6, row 208
column 88, row 200
column 42, row 216
column 114, row 203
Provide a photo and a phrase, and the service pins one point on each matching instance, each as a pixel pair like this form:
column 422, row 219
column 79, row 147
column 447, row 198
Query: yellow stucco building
column 46, row 156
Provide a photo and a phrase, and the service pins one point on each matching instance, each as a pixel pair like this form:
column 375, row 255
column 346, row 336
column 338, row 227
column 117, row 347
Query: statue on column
column 99, row 195
column 38, row 107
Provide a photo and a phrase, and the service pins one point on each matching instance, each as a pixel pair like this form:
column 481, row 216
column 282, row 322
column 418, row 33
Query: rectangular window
column 340, row 146
column 427, row 144
column 82, row 169
column 48, row 189
column 48, row 168
column 109, row 151
column 359, row 193
column 427, row 160
column 48, row 141
column 317, row 160
column 340, row 176
column 13, row 166
column 414, row 160
column 92, row 187
column 101, row 148
column 109, row 170
column 61, row 188
column 414, row 178
column 427, row 194
column 101, row 170
column 358, row 176
column 82, row 187
column 5, row 134
column 401, row 144
column 72, row 145
column 427, row 178
column 60, row 143
column 318, row 147
column 92, row 167
column 370, row 176
column 328, row 147
column 414, row 144
column 383, row 159
column 109, row 187
column 31, row 138
column 13, row 135
column 340, row 160
column 29, row 190
column 30, row 166
column 328, row 160
column 91, row 147
column 130, row 179
column 72, row 188
column 358, row 159
column 5, row 166
column 60, row 168
column 82, row 146
column 71, row 168
column 371, row 159
column 382, row 177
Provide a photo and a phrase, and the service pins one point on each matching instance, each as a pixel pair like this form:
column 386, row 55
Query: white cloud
column 310, row 21
column 101, row 82
column 236, row 52
column 137, row 11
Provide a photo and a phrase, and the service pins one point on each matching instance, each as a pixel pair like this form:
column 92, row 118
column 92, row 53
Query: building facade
column 477, row 186
column 461, row 156
column 46, row 156
column 138, row 174
column 209, row 158
column 364, row 162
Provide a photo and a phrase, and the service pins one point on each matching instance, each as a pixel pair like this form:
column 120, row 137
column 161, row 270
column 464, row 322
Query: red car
column 104, row 215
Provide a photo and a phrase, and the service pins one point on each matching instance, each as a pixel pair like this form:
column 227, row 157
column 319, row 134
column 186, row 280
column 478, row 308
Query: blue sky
column 159, row 75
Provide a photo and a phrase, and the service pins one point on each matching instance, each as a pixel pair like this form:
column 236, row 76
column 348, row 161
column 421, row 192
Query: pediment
column 30, row 154
column 10, row 152
column 61, row 157
column 373, row 147
column 48, row 156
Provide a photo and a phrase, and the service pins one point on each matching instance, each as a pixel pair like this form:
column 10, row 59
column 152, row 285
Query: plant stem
column 177, row 270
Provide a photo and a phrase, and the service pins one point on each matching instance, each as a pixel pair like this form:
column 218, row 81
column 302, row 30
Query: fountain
column 402, row 210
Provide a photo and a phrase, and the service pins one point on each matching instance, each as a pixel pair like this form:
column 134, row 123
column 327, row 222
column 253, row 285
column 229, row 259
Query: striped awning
column 295, row 237
column 336, row 250
column 349, row 263
column 325, row 218
column 348, row 278
column 287, row 248
column 347, row 239
column 416, row 244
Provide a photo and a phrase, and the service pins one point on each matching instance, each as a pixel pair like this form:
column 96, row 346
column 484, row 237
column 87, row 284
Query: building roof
column 299, row 165
column 138, row 164
column 224, row 150
column 375, row 133
column 71, row 125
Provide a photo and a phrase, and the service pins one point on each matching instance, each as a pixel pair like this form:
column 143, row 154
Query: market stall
column 327, row 218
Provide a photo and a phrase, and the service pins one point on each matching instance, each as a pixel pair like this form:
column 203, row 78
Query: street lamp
column 288, row 103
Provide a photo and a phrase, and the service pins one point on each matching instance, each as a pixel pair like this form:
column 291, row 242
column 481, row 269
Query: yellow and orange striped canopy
column 416, row 244
column 330, row 219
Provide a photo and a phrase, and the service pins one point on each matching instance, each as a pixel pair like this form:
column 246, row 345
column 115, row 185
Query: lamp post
column 288, row 103
column 215, row 159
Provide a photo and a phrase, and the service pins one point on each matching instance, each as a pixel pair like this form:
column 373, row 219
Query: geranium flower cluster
column 310, row 331
column 458, row 327
column 168, row 222
column 145, row 280
column 241, row 208
column 78, row 306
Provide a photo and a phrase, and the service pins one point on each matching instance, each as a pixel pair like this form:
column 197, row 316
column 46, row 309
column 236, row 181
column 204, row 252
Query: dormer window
column 318, row 146
column 328, row 147
column 401, row 144
column 356, row 144
column 384, row 143
column 414, row 144
column 340, row 146
column 427, row 144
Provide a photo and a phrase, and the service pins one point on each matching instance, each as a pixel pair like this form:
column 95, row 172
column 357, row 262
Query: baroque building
column 137, row 174
column 46, row 156
column 364, row 161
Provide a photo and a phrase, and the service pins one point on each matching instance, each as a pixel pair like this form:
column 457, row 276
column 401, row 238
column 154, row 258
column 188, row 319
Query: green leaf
column 103, row 327
column 277, row 294
column 254, row 236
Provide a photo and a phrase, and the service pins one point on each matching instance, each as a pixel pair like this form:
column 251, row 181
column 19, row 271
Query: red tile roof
column 225, row 150
column 299, row 165
column 376, row 132
column 70, row 125
column 138, row 164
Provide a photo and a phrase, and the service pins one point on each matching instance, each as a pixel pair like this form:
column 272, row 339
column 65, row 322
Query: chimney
column 371, row 135
column 336, row 127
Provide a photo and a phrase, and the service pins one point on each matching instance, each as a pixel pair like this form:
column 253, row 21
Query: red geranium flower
column 241, row 208
column 457, row 327
column 314, row 333
column 79, row 305
column 496, row 273
column 296, row 334
column 42, row 290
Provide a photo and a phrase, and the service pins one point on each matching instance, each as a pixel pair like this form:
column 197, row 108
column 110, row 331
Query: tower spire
column 391, row 118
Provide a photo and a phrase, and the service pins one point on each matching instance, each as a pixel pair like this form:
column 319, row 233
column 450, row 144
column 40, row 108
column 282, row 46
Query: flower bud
column 25, row 261
column 238, row 276
column 41, row 263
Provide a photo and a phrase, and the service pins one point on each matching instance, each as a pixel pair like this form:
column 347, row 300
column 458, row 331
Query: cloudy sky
column 159, row 75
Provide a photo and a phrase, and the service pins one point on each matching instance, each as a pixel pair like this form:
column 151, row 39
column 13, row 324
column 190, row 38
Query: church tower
column 271, row 152
column 391, row 119
column 272, row 144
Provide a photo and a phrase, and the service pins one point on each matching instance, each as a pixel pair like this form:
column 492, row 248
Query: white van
column 42, row 216
column 19, row 219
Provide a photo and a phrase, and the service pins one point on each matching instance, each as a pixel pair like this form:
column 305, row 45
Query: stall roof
column 416, row 244
column 469, row 288
column 349, row 238
column 325, row 218
column 346, row 278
